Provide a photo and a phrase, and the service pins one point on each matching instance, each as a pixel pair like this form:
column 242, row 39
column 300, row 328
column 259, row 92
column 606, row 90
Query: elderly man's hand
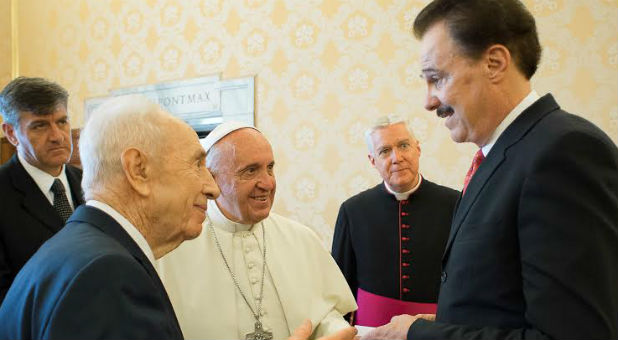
column 398, row 327
column 303, row 332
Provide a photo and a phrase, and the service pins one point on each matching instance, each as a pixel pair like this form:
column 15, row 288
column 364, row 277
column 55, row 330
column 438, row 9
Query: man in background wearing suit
column 38, row 190
column 146, row 187
column 533, row 247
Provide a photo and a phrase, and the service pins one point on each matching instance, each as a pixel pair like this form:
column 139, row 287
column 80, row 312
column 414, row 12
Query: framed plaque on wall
column 203, row 102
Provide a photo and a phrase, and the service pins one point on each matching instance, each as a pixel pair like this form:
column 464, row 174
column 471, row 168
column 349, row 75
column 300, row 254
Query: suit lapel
column 74, row 177
column 34, row 201
column 513, row 134
column 105, row 223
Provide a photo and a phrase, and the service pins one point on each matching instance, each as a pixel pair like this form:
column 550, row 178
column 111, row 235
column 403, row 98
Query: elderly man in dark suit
column 146, row 188
column 533, row 247
column 38, row 190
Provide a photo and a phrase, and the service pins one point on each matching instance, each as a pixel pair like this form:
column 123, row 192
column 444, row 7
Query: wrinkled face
column 183, row 184
column 457, row 87
column 247, row 180
column 395, row 155
column 44, row 141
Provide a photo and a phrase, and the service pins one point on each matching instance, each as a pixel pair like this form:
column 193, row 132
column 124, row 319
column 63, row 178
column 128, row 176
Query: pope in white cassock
column 251, row 274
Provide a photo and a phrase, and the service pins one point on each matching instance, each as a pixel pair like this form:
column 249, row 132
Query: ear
column 372, row 160
column 498, row 59
column 418, row 146
column 10, row 133
column 137, row 171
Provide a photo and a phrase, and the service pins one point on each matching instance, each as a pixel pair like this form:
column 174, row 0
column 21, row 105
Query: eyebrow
column 429, row 70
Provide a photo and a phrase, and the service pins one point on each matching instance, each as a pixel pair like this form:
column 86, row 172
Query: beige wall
column 5, row 43
column 324, row 70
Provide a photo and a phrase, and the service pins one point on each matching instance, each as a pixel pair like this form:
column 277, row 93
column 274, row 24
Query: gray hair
column 118, row 124
column 37, row 95
column 382, row 122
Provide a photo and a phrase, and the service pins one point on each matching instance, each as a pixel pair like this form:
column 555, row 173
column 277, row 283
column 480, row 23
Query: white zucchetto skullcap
column 221, row 131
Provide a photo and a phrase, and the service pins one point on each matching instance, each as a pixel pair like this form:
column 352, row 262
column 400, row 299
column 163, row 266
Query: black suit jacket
column 533, row 247
column 89, row 281
column 27, row 218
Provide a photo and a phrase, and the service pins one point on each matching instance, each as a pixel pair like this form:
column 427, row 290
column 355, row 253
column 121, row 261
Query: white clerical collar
column 401, row 196
column 127, row 226
column 223, row 223
column 524, row 104
column 44, row 180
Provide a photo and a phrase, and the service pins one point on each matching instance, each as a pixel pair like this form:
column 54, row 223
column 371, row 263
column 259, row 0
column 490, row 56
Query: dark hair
column 36, row 95
column 477, row 24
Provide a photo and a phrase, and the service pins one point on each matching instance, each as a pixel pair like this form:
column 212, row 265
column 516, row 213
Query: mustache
column 444, row 111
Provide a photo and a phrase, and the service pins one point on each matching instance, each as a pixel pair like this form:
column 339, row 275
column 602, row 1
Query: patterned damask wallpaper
column 324, row 70
column 5, row 43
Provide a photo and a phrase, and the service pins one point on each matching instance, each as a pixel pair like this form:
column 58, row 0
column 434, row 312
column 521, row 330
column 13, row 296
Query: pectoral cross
column 259, row 333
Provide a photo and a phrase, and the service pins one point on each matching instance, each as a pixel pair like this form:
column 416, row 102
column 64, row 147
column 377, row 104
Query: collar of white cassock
column 223, row 223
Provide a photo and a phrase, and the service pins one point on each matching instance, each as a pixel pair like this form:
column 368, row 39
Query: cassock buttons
column 403, row 213
column 406, row 290
column 405, row 251
column 405, row 226
column 254, row 280
column 443, row 277
column 247, row 250
column 405, row 264
column 405, row 277
column 404, row 238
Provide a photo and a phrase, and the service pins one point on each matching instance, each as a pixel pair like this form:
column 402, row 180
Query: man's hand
column 303, row 332
column 397, row 328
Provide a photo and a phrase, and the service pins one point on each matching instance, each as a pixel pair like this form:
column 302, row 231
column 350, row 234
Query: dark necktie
column 61, row 202
column 476, row 162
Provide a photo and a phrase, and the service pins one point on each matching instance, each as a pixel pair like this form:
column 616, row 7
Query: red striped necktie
column 476, row 162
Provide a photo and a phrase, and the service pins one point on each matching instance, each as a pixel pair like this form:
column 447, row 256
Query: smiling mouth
column 444, row 111
column 260, row 198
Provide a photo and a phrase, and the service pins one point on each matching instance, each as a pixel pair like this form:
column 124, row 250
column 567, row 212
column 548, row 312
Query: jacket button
column 443, row 277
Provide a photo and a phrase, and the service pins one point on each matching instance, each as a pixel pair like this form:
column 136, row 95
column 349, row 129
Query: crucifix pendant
column 259, row 333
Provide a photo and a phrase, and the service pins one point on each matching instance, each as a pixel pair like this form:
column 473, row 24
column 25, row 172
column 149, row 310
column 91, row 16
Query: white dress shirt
column 44, row 181
column 524, row 104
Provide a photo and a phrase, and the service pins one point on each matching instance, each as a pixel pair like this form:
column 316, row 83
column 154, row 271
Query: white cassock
column 302, row 281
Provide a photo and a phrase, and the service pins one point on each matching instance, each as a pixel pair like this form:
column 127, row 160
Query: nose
column 396, row 155
column 266, row 181
column 210, row 187
column 431, row 102
column 56, row 134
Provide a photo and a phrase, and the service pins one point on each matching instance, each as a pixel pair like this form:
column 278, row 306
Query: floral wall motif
column 5, row 43
column 324, row 70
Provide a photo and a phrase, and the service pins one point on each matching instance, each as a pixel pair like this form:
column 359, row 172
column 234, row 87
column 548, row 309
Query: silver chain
column 227, row 265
